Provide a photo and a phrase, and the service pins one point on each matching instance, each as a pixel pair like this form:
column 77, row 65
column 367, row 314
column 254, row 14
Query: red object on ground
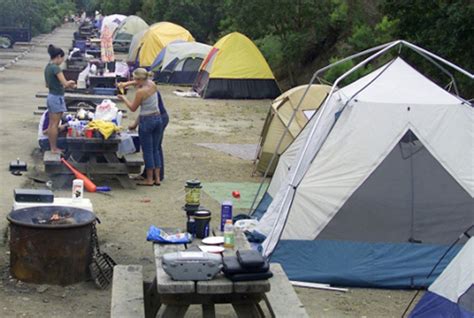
column 88, row 184
column 236, row 194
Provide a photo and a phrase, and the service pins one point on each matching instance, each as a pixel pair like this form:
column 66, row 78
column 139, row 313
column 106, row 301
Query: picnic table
column 93, row 156
column 177, row 296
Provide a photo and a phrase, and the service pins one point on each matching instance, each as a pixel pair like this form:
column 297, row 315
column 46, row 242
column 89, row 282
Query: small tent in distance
column 236, row 69
column 181, row 62
column 124, row 33
column 278, row 121
column 157, row 37
column 134, row 47
column 452, row 293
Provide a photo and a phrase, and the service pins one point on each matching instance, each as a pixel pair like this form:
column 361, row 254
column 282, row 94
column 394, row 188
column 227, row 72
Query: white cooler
column 82, row 204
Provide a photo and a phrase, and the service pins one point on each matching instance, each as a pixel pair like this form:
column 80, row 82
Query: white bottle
column 119, row 118
column 77, row 190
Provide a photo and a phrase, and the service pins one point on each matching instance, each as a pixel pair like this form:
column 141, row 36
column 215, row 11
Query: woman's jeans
column 150, row 131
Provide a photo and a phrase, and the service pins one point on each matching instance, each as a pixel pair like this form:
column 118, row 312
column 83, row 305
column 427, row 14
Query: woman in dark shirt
column 55, row 82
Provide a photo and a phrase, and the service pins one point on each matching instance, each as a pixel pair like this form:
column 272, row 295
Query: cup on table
column 89, row 133
column 202, row 222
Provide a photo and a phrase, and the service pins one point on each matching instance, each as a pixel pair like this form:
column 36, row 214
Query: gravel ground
column 127, row 214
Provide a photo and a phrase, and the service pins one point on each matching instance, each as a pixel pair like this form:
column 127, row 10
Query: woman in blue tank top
column 150, row 123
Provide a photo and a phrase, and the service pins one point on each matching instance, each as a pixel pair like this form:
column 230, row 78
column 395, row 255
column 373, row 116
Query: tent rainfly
column 181, row 61
column 452, row 293
column 236, row 69
column 279, row 120
column 135, row 46
column 124, row 33
column 378, row 183
column 157, row 37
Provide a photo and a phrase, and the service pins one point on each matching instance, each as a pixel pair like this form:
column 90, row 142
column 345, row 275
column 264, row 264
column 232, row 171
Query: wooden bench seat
column 50, row 158
column 134, row 159
column 282, row 300
column 127, row 292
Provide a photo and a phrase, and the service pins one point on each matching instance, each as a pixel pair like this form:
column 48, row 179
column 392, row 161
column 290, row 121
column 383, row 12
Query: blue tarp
column 432, row 305
column 345, row 263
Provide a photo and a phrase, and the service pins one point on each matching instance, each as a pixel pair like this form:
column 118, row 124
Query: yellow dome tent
column 235, row 68
column 278, row 120
column 157, row 37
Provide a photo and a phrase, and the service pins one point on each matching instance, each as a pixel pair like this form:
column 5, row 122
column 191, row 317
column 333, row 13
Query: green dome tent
column 126, row 30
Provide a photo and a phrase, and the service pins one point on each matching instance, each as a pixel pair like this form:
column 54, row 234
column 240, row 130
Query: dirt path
column 127, row 214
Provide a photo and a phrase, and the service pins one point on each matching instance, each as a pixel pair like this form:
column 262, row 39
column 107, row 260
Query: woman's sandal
column 143, row 184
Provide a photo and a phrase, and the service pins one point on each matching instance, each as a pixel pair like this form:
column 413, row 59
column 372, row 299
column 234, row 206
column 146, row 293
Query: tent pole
column 293, row 115
column 457, row 68
column 316, row 124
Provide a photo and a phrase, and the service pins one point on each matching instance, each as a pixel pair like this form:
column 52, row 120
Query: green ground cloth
column 221, row 191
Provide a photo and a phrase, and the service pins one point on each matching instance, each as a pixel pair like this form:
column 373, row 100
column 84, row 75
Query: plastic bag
column 106, row 110
column 157, row 235
column 126, row 145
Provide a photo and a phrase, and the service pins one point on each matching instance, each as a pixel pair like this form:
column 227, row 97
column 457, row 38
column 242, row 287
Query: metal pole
column 317, row 120
column 293, row 115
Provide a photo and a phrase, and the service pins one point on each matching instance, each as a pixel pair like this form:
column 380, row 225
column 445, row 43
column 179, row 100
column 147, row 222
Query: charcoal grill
column 51, row 244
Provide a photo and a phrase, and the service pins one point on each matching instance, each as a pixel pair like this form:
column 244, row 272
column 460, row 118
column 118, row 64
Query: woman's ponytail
column 55, row 51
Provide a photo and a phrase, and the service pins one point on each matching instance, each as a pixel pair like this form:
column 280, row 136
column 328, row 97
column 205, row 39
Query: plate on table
column 212, row 249
column 213, row 240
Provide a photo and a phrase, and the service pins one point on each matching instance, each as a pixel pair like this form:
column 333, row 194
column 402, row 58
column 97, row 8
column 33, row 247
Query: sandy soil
column 125, row 214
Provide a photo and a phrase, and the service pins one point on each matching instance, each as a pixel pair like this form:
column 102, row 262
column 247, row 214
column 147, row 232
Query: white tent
column 181, row 62
column 452, row 293
column 385, row 163
column 183, row 50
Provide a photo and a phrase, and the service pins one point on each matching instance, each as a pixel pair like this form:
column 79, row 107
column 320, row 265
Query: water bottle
column 229, row 239
column 77, row 190
column 119, row 118
column 226, row 213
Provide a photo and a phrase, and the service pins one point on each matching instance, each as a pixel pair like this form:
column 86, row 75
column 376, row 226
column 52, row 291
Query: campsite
column 272, row 185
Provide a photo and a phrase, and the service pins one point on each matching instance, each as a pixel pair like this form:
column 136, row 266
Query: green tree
column 443, row 27
column 301, row 26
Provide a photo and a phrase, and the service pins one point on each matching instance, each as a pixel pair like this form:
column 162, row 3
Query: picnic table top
column 219, row 285
column 79, row 96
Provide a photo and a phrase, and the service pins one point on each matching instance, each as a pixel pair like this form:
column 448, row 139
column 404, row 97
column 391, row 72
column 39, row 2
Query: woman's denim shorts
column 56, row 103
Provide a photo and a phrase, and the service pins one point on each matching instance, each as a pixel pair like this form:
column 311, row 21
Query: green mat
column 221, row 191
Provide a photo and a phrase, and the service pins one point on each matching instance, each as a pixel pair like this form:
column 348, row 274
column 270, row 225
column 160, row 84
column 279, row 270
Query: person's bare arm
column 133, row 106
column 125, row 84
column 64, row 82
column 135, row 124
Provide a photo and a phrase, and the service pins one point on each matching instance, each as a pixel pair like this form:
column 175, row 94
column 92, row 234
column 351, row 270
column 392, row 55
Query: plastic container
column 229, row 237
column 119, row 118
column 191, row 226
column 193, row 192
column 202, row 219
column 226, row 213
column 77, row 190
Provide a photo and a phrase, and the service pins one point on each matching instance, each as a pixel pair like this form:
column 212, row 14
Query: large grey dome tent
column 376, row 185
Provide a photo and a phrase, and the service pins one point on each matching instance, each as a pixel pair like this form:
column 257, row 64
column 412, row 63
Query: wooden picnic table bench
column 93, row 156
column 246, row 297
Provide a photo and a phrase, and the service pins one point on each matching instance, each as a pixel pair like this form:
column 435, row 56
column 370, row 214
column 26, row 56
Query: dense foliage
column 42, row 15
column 296, row 36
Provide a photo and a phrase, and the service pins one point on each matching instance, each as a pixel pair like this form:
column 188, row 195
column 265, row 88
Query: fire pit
column 50, row 244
